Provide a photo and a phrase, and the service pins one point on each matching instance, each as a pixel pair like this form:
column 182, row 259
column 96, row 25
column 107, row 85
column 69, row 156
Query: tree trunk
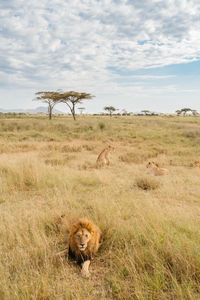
column 50, row 112
column 74, row 117
column 73, row 113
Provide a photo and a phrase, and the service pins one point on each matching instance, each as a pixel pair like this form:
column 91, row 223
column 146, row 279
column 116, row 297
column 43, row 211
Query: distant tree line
column 111, row 110
column 72, row 98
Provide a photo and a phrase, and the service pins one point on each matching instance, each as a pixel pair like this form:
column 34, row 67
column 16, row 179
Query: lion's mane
column 93, row 244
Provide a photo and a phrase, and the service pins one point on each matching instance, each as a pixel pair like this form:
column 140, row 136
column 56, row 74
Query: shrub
column 101, row 125
column 146, row 183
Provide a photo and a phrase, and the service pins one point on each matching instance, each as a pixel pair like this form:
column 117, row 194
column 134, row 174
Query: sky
column 130, row 54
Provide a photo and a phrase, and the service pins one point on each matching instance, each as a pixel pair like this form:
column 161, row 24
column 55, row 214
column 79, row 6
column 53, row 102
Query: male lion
column 102, row 159
column 197, row 163
column 84, row 241
column 155, row 170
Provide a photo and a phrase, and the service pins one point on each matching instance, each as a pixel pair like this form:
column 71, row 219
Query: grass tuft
column 147, row 183
column 101, row 125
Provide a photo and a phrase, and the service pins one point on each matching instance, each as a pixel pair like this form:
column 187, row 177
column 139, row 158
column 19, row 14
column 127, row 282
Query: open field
column 151, row 246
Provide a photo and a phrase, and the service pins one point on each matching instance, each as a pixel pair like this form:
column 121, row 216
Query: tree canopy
column 48, row 97
column 185, row 110
column 146, row 112
column 71, row 99
column 110, row 109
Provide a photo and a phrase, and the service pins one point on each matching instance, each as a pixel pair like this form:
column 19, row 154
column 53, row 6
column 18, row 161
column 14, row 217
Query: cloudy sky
column 131, row 54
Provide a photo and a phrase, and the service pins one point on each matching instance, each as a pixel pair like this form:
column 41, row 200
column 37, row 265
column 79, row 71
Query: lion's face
column 82, row 237
column 150, row 164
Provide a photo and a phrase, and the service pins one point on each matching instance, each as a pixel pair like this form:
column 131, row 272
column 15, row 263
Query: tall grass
column 150, row 225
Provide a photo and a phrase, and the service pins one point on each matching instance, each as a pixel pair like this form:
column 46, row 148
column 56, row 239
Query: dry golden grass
column 150, row 226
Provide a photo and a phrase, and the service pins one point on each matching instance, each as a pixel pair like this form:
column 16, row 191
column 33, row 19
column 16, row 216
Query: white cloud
column 77, row 44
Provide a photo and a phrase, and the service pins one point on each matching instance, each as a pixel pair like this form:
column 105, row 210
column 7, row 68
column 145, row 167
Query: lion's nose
column 82, row 245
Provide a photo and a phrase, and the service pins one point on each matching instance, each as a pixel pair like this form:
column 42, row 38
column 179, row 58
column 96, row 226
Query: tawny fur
column 197, row 164
column 102, row 159
column 93, row 243
column 155, row 170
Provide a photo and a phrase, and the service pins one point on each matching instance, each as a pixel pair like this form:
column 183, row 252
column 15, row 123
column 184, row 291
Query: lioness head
column 82, row 237
column 151, row 164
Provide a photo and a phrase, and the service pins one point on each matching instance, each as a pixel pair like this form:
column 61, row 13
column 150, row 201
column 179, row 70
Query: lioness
column 84, row 241
column 155, row 170
column 102, row 159
column 197, row 163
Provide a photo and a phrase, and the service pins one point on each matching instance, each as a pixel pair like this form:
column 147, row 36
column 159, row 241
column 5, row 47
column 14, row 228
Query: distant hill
column 37, row 110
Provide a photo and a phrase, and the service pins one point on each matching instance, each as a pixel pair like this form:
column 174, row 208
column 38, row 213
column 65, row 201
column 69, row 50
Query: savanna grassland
column 151, row 246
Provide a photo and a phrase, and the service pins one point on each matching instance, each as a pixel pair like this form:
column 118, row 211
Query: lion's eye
column 86, row 235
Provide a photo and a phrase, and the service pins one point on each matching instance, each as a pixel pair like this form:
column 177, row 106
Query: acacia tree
column 146, row 112
column 81, row 109
column 48, row 97
column 110, row 109
column 71, row 99
column 185, row 110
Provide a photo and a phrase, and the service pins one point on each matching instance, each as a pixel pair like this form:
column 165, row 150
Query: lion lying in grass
column 155, row 170
column 84, row 241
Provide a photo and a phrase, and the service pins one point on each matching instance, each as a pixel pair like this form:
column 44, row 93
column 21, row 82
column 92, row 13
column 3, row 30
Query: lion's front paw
column 85, row 273
column 85, row 269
